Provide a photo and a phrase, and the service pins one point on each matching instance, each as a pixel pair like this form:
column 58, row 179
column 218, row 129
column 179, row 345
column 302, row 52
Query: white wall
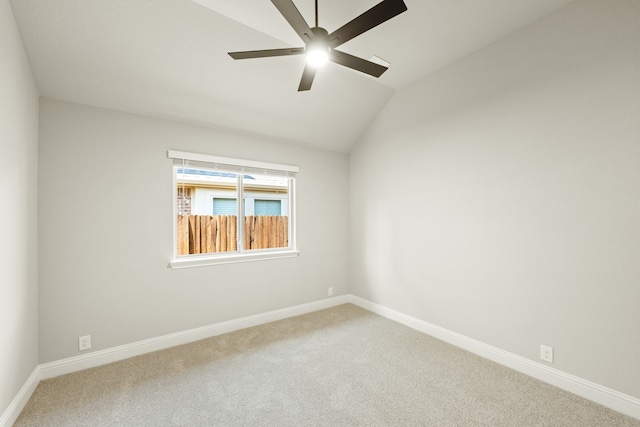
column 18, row 212
column 106, row 231
column 500, row 197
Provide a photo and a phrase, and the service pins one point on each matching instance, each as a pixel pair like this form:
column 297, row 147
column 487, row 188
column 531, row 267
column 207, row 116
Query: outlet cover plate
column 84, row 343
column 546, row 353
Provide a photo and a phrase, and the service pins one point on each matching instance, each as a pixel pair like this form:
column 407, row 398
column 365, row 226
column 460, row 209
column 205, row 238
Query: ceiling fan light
column 317, row 56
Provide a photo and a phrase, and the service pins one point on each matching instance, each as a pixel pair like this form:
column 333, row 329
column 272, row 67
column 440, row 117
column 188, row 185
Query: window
column 225, row 206
column 268, row 207
column 208, row 194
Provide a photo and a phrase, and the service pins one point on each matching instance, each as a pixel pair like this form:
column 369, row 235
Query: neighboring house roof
column 204, row 177
column 202, row 172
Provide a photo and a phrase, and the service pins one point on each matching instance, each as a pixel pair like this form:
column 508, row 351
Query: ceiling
column 168, row 58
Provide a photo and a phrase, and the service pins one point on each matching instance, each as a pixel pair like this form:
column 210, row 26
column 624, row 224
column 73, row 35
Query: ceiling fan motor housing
column 319, row 33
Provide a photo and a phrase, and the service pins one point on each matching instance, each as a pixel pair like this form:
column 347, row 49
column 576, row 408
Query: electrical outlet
column 84, row 343
column 546, row 353
column 330, row 292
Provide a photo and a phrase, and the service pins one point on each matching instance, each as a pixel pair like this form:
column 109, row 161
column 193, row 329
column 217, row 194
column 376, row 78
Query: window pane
column 207, row 211
column 225, row 206
column 267, row 207
column 269, row 226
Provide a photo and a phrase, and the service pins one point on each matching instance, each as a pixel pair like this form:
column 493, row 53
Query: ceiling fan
column 320, row 46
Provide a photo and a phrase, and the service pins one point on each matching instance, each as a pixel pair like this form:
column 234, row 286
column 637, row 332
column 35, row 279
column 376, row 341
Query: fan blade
column 357, row 64
column 294, row 18
column 266, row 53
column 307, row 78
column 373, row 17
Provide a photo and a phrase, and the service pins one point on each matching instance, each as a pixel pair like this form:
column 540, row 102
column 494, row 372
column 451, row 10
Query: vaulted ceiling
column 168, row 58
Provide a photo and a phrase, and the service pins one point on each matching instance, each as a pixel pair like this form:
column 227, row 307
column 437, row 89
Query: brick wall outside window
column 184, row 203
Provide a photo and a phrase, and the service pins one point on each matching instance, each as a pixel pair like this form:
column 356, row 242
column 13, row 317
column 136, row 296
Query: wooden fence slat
column 266, row 243
column 196, row 233
column 219, row 233
column 192, row 235
column 247, row 230
column 260, row 232
column 254, row 221
column 215, row 233
column 227, row 235
column 278, row 227
column 264, row 224
column 285, row 231
column 274, row 232
column 223, row 234
column 180, row 236
column 234, row 233
column 185, row 234
column 230, row 232
column 203, row 234
column 208, row 247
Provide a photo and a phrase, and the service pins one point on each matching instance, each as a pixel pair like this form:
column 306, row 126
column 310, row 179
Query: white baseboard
column 10, row 415
column 114, row 354
column 610, row 398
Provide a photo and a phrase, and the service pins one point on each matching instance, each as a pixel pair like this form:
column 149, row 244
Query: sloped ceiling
column 168, row 58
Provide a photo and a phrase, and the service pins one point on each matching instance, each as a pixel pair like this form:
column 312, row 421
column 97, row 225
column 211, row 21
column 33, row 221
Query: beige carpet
column 338, row 367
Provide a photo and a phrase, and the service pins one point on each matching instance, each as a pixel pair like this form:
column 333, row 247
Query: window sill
column 204, row 260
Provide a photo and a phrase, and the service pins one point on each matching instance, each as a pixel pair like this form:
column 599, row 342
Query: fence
column 200, row 234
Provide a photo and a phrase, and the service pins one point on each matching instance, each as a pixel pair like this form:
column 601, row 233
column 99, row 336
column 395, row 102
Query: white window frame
column 240, row 167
